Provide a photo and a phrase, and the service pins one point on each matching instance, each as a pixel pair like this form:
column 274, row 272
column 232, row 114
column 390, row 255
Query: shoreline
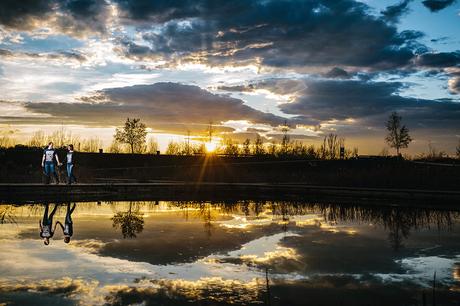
column 215, row 191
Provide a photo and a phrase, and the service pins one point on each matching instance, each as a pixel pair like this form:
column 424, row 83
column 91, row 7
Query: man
column 46, row 224
column 67, row 228
column 70, row 163
column 49, row 155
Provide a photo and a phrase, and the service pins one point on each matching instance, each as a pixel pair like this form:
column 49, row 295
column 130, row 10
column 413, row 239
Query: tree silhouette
column 247, row 147
column 133, row 133
column 131, row 222
column 398, row 134
column 258, row 146
column 286, row 139
column 458, row 149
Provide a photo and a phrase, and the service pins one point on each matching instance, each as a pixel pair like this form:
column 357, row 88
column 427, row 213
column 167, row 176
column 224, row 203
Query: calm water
column 188, row 253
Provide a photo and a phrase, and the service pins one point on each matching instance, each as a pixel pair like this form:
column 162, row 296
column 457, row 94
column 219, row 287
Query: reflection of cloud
column 66, row 286
column 265, row 250
column 89, row 245
column 421, row 269
column 241, row 222
column 205, row 289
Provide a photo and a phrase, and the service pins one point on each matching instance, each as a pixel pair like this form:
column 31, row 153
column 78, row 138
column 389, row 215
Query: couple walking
column 50, row 155
column 46, row 224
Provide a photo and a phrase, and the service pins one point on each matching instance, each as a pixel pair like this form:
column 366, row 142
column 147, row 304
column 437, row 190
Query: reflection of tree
column 399, row 221
column 399, row 225
column 6, row 215
column 130, row 222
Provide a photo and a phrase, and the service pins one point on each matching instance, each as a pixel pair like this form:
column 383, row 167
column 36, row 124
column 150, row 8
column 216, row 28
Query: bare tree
column 458, row 149
column 173, row 148
column 210, row 131
column 273, row 148
column 384, row 152
column 247, row 147
column 333, row 146
column 115, row 147
column 259, row 146
column 91, row 145
column 187, row 144
column 230, row 148
column 133, row 134
column 398, row 134
column 152, row 146
column 322, row 151
column 37, row 140
column 285, row 142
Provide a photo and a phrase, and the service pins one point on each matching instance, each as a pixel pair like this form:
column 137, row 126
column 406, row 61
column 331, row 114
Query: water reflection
column 46, row 224
column 67, row 228
column 131, row 222
column 243, row 253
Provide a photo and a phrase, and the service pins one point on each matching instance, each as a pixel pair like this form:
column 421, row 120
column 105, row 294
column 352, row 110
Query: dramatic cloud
column 271, row 33
column 71, row 55
column 75, row 17
column 337, row 72
column 394, row 12
column 159, row 104
column 439, row 60
column 24, row 14
column 365, row 102
column 437, row 5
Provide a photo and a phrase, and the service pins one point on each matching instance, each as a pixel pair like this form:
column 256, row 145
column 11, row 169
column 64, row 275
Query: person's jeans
column 50, row 169
column 70, row 176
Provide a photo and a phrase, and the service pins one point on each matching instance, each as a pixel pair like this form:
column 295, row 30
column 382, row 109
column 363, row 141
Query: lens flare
column 210, row 147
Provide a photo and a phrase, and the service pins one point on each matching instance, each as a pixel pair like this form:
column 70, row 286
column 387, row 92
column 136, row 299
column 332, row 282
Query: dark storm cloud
column 439, row 60
column 394, row 12
column 158, row 11
column 75, row 17
column 437, row 5
column 366, row 101
column 21, row 14
column 371, row 102
column 163, row 104
column 337, row 72
column 276, row 33
column 83, row 17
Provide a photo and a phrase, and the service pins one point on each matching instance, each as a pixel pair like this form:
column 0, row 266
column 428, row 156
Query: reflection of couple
column 46, row 224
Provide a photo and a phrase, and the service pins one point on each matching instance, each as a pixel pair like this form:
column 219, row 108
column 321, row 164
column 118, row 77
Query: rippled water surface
column 265, row 253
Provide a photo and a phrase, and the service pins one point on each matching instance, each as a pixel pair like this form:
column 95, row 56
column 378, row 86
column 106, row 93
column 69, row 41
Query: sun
column 210, row 147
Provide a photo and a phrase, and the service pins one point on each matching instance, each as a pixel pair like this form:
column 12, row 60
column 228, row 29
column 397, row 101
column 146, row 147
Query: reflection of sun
column 210, row 147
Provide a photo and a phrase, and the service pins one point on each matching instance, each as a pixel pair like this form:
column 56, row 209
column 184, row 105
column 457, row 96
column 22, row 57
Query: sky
column 322, row 66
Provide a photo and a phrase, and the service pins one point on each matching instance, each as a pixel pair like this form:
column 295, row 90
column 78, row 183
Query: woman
column 70, row 164
column 46, row 224
column 67, row 228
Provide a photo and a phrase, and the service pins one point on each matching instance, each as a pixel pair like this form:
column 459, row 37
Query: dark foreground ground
column 23, row 166
column 380, row 181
